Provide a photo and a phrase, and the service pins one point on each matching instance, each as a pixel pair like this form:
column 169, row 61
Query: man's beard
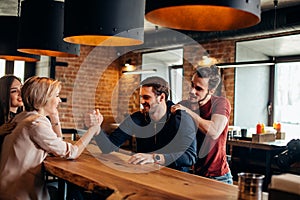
column 146, row 108
column 198, row 102
column 149, row 109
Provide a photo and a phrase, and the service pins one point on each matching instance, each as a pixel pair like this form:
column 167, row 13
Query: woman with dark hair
column 10, row 103
column 10, row 97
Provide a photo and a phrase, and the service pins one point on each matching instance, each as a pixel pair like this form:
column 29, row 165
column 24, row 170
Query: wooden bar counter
column 99, row 172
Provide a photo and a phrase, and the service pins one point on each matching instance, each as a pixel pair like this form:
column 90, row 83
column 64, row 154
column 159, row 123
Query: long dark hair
column 5, row 101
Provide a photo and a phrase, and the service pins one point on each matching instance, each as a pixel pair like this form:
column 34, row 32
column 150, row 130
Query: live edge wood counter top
column 96, row 171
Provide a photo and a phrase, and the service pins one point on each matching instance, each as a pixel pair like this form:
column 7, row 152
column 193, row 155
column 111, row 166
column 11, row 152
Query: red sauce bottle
column 258, row 128
column 278, row 127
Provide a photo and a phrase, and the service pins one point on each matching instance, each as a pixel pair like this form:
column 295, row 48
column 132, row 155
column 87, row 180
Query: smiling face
column 152, row 103
column 52, row 103
column 15, row 96
column 200, row 92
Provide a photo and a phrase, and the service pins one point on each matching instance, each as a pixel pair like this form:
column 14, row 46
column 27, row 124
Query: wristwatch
column 156, row 158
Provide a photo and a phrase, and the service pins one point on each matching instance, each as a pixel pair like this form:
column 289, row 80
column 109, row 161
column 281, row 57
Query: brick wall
column 88, row 83
column 95, row 80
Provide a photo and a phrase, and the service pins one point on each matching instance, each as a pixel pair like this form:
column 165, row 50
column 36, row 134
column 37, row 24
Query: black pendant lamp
column 8, row 41
column 104, row 22
column 203, row 15
column 41, row 29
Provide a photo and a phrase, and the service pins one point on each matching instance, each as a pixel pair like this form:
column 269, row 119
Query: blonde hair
column 37, row 90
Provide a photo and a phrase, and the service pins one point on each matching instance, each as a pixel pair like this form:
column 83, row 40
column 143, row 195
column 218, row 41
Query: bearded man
column 162, row 137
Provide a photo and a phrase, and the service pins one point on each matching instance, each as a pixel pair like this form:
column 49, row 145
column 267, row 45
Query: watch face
column 157, row 158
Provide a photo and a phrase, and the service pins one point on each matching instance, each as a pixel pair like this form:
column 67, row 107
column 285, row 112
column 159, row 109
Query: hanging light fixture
column 105, row 23
column 128, row 66
column 207, row 60
column 8, row 41
column 203, row 15
column 41, row 29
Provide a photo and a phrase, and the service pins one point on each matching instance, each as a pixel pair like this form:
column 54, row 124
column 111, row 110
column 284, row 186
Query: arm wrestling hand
column 95, row 120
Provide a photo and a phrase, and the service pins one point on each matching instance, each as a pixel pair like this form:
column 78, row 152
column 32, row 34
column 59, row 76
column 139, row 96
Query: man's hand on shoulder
column 176, row 107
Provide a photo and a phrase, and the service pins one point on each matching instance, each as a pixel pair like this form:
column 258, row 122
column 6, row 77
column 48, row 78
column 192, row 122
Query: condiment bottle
column 277, row 126
column 262, row 128
column 258, row 128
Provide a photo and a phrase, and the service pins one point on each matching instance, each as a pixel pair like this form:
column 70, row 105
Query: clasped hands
column 94, row 119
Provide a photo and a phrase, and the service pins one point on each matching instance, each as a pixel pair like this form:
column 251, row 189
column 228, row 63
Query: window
column 277, row 85
column 19, row 69
column 287, row 97
column 169, row 66
column 176, row 74
column 252, row 96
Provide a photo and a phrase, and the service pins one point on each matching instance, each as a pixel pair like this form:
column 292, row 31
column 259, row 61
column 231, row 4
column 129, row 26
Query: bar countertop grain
column 96, row 171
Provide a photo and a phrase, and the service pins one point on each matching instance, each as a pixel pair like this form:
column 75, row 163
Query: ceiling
column 282, row 46
column 9, row 7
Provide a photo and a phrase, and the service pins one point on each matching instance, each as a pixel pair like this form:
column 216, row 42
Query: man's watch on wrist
column 156, row 158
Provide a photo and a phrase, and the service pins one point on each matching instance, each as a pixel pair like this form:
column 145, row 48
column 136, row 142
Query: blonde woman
column 33, row 138
column 11, row 104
